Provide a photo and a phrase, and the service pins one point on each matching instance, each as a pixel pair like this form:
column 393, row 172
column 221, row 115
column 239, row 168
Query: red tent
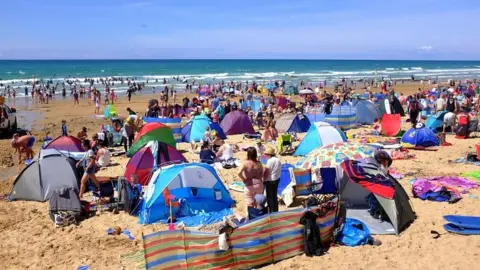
column 66, row 143
column 142, row 163
column 281, row 101
column 391, row 124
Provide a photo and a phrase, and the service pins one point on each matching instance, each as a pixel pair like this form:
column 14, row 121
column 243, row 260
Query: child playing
column 377, row 127
column 47, row 139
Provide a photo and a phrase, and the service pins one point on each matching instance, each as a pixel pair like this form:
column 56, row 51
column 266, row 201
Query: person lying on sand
column 23, row 144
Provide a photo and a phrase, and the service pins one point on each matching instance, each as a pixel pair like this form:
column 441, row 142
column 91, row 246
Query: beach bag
column 229, row 164
column 65, row 207
column 354, row 233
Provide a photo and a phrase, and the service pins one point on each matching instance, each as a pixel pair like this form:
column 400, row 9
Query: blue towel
column 125, row 232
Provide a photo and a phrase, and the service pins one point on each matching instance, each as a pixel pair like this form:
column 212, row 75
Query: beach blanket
column 474, row 175
column 237, row 186
column 465, row 161
column 443, row 188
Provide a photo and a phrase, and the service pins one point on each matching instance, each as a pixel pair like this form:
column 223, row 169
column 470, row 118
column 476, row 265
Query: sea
column 17, row 73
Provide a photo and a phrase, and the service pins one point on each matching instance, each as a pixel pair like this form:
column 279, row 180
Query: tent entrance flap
column 376, row 226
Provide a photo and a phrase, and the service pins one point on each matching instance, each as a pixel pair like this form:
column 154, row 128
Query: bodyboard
column 458, row 230
column 470, row 222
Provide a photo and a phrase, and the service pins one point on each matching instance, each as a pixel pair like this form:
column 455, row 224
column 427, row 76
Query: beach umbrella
column 332, row 155
column 306, row 92
column 152, row 132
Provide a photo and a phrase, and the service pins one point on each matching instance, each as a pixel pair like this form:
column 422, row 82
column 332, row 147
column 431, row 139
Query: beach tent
column 195, row 129
column 66, row 143
column 419, row 137
column 255, row 105
column 397, row 106
column 237, row 122
column 291, row 90
column 191, row 188
column 391, row 124
column 152, row 132
column 110, row 111
column 143, row 162
column 358, row 180
column 366, row 111
column 175, row 124
column 344, row 117
column 281, row 101
column 48, row 171
column 320, row 134
column 435, row 121
column 289, row 122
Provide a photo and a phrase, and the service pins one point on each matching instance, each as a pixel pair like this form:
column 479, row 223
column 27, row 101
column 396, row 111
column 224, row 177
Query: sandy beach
column 30, row 239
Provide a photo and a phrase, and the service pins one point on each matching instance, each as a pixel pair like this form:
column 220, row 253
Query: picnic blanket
column 475, row 175
column 442, row 188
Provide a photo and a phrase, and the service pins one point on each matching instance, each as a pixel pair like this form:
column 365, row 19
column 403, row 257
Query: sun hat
column 259, row 141
column 269, row 151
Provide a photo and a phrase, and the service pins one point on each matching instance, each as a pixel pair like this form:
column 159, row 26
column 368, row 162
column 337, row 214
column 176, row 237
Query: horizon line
column 228, row 59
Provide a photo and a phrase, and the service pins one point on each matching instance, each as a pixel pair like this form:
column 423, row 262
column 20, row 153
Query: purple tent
column 237, row 122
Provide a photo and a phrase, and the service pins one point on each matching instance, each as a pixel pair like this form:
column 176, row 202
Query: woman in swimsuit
column 253, row 174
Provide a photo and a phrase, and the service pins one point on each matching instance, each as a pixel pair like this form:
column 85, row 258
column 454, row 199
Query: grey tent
column 399, row 209
column 48, row 171
column 292, row 122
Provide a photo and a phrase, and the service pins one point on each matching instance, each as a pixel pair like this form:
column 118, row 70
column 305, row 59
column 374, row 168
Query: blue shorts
column 30, row 142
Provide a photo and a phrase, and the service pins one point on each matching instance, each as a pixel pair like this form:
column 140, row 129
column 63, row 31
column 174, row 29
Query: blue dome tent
column 435, row 121
column 195, row 129
column 292, row 123
column 419, row 137
column 194, row 190
column 366, row 111
column 320, row 134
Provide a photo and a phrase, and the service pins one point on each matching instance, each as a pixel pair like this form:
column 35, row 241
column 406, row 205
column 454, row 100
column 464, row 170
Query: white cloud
column 426, row 48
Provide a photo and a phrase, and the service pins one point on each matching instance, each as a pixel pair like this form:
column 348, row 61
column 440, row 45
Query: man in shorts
column 23, row 144
column 449, row 121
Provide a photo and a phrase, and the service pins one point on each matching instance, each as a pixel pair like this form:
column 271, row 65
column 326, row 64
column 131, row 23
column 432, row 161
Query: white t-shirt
column 104, row 160
column 449, row 119
column 227, row 152
column 274, row 166
column 440, row 104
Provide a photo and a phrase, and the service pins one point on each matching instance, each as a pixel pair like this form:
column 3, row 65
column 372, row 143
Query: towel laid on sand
column 442, row 188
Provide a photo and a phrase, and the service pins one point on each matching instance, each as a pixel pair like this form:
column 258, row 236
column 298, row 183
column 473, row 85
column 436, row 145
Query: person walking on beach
column 23, row 144
column 128, row 134
column 274, row 167
column 75, row 98
column 97, row 104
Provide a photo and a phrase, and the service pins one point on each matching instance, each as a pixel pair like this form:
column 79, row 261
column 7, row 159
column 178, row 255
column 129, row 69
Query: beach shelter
column 332, row 155
column 344, row 117
column 191, row 188
column 237, row 122
column 255, row 105
column 360, row 180
column 391, row 124
column 65, row 143
column 435, row 121
column 419, row 137
column 110, row 111
column 152, row 132
column 48, row 171
column 289, row 122
column 195, row 129
column 175, row 124
column 320, row 134
column 366, row 111
column 291, row 90
column 384, row 106
column 143, row 162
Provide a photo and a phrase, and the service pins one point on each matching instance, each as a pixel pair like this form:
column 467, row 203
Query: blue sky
column 305, row 29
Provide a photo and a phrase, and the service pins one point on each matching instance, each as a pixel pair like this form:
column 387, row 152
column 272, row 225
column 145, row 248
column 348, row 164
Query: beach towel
column 237, row 186
column 125, row 232
column 474, row 175
column 443, row 188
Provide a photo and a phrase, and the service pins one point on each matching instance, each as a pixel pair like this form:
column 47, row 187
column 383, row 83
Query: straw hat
column 269, row 151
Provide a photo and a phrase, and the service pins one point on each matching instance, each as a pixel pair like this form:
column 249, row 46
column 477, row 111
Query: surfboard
column 387, row 106
column 449, row 227
column 469, row 222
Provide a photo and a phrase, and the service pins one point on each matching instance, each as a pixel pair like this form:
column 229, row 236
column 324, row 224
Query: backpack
column 229, row 164
column 129, row 196
column 65, row 207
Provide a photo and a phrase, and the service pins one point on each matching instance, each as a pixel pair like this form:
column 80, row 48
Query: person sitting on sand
column 130, row 111
column 260, row 147
column 270, row 133
column 89, row 164
column 82, row 135
column 23, row 144
column 225, row 151
column 103, row 155
column 377, row 127
column 206, row 154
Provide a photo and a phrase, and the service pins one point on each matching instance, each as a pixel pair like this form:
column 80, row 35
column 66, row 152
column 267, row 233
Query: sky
column 246, row 29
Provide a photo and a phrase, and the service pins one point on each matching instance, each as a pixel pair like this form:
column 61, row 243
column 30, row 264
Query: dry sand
column 30, row 240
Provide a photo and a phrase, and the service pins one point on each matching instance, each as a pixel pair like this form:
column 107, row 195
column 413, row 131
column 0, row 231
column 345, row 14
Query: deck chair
column 284, row 144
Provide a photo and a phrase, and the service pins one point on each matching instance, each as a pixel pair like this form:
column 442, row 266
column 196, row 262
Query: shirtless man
column 23, row 144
